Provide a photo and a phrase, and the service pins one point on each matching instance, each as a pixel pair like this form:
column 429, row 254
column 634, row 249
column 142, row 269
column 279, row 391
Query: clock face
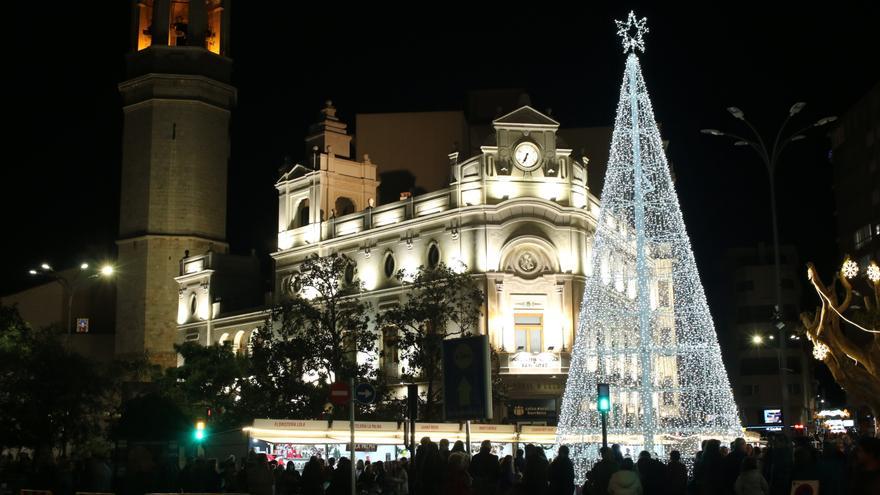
column 527, row 156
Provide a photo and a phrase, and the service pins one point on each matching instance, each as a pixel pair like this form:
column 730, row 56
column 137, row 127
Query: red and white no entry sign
column 339, row 393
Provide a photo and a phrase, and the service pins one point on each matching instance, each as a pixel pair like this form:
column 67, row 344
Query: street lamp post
column 70, row 286
column 770, row 159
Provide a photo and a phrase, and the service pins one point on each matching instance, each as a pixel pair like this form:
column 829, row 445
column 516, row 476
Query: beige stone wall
column 419, row 142
column 173, row 199
column 148, row 294
column 175, row 160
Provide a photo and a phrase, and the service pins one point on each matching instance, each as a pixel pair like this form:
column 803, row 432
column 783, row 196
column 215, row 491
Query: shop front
column 297, row 440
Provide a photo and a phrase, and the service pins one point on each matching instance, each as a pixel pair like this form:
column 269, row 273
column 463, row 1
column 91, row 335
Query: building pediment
column 525, row 116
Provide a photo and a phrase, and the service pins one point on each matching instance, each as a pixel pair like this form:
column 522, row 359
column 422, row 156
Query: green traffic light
column 604, row 401
column 199, row 434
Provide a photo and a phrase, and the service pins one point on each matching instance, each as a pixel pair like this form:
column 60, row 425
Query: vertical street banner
column 467, row 384
column 82, row 325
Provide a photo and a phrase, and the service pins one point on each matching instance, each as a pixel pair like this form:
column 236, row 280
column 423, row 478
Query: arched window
column 223, row 338
column 433, row 256
column 344, row 206
column 389, row 265
column 236, row 343
column 301, row 217
column 349, row 273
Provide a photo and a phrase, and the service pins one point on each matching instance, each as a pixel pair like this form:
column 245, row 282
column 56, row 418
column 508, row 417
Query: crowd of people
column 841, row 467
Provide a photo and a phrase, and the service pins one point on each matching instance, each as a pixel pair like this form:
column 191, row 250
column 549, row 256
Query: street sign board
column 467, row 385
column 340, row 393
column 364, row 393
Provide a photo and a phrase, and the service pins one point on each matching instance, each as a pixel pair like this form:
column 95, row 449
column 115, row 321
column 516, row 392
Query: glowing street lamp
column 757, row 339
column 71, row 285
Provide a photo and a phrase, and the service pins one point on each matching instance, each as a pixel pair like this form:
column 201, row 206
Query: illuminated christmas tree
column 644, row 325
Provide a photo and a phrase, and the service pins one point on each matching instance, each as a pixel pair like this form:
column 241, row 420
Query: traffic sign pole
column 605, row 430
column 351, row 403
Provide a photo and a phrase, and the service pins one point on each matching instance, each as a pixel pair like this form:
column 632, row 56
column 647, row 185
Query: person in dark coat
column 652, row 473
column 866, row 478
column 781, row 460
column 676, row 475
column 709, row 471
column 733, row 464
column 340, row 481
column 458, row 481
column 484, row 469
column 313, row 477
column 427, row 477
column 600, row 474
column 519, row 463
column 506, row 476
column 832, row 471
column 618, row 455
column 561, row 474
column 536, row 472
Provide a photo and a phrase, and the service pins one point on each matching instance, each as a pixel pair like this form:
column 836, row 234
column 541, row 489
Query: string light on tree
column 644, row 325
column 632, row 31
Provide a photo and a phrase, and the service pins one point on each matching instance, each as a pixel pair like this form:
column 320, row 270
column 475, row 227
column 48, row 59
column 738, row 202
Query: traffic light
column 199, row 434
column 604, row 402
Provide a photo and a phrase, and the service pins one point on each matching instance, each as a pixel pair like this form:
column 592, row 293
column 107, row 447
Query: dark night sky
column 63, row 112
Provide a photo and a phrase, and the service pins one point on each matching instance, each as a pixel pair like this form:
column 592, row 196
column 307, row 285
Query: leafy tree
column 49, row 396
column 273, row 385
column 210, row 377
column 326, row 321
column 440, row 303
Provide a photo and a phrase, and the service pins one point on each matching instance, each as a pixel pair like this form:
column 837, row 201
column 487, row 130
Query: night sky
column 63, row 112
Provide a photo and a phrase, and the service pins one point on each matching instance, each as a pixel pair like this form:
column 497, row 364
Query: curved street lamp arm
column 777, row 149
column 762, row 149
column 789, row 139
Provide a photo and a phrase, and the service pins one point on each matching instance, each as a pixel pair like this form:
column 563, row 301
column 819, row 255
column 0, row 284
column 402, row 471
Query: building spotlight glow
column 83, row 266
column 45, row 266
column 107, row 270
column 757, row 339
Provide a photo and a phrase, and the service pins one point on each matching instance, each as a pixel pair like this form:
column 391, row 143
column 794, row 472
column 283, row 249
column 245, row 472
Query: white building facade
column 519, row 216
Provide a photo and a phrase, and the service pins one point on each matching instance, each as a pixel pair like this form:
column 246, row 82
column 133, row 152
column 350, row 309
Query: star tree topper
column 632, row 40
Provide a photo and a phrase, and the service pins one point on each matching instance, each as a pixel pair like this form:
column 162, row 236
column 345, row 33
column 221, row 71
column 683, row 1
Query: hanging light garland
column 827, row 302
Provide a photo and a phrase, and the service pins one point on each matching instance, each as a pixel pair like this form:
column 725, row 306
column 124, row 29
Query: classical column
column 161, row 22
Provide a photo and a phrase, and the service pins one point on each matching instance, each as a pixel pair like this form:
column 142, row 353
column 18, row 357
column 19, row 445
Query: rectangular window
column 663, row 289
column 529, row 332
column 863, row 236
column 759, row 366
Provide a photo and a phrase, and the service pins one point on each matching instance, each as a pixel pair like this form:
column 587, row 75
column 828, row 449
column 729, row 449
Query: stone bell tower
column 176, row 103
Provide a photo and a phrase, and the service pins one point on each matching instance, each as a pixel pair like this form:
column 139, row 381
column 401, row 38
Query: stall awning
column 378, row 432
